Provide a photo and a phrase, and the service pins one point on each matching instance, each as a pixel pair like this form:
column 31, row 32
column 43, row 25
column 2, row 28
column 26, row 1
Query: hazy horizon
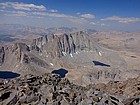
column 94, row 14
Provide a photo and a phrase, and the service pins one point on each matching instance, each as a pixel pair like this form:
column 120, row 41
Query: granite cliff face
column 20, row 50
column 18, row 57
column 60, row 45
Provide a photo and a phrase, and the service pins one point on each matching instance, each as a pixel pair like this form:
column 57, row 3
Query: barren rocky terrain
column 126, row 44
column 51, row 89
column 95, row 66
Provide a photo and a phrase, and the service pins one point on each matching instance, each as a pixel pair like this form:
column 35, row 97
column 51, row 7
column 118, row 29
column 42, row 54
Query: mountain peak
column 63, row 44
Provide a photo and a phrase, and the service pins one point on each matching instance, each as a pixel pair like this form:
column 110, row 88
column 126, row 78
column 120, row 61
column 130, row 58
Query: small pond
column 61, row 72
column 8, row 75
column 97, row 63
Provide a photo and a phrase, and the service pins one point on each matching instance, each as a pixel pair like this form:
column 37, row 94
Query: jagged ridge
column 60, row 45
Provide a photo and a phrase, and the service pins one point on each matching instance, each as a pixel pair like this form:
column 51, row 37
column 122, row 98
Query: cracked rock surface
column 50, row 89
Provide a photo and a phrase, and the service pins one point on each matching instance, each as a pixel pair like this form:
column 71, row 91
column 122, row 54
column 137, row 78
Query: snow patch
column 51, row 64
column 71, row 55
column 77, row 52
column 64, row 53
column 100, row 54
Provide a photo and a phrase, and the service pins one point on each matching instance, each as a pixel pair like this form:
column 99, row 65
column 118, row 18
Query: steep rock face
column 23, row 55
column 2, row 55
column 60, row 45
column 19, row 49
column 13, row 56
column 19, row 57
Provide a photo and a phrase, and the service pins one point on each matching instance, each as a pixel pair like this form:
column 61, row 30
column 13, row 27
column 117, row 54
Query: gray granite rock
column 50, row 89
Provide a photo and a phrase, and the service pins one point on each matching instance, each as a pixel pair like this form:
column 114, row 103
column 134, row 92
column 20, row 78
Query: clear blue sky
column 98, row 14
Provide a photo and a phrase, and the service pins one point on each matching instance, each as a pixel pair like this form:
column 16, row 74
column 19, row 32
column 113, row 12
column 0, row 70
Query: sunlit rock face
column 60, row 45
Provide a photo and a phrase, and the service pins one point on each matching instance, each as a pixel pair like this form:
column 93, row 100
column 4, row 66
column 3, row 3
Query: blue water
column 97, row 63
column 8, row 75
column 61, row 72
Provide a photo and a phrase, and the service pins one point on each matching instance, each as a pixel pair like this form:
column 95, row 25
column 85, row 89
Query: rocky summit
column 50, row 89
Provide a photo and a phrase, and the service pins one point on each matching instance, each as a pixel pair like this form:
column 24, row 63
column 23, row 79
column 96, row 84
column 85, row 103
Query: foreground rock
column 50, row 89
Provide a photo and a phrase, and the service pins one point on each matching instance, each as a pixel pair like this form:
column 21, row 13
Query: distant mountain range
column 8, row 31
column 16, row 29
